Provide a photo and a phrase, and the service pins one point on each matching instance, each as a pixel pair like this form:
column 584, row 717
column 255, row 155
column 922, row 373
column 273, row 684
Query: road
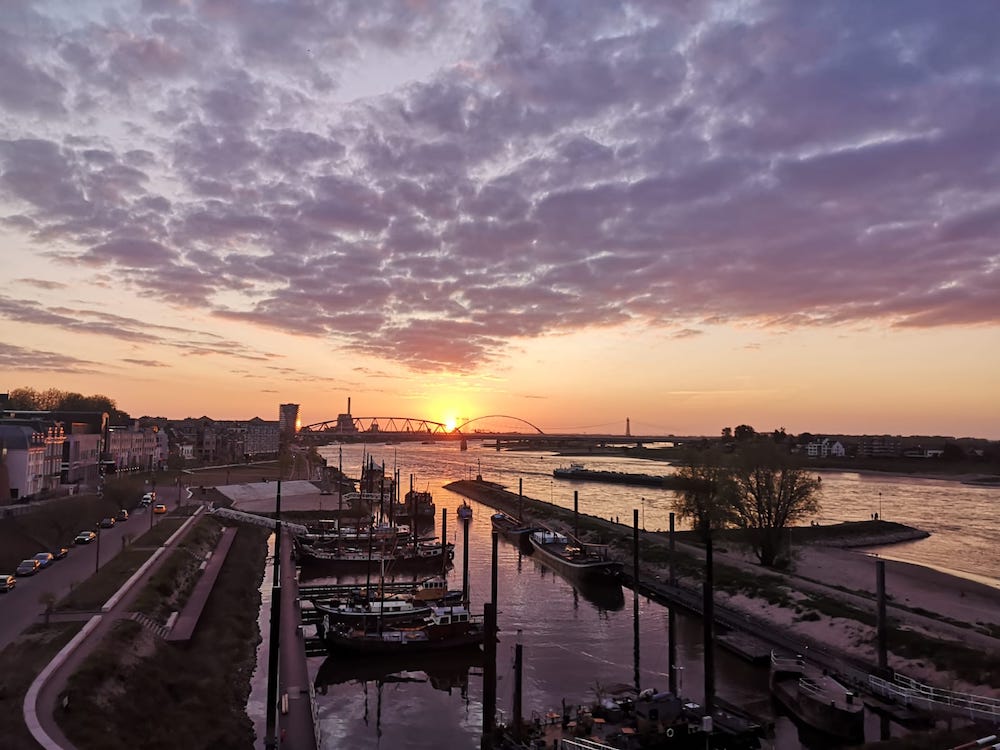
column 21, row 607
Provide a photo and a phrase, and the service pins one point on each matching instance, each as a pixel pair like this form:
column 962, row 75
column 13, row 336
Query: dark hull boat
column 572, row 558
column 577, row 471
column 816, row 699
column 446, row 629
column 424, row 556
column 366, row 615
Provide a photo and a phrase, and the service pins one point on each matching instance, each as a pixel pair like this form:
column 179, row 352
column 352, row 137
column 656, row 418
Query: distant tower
column 628, row 427
column 288, row 421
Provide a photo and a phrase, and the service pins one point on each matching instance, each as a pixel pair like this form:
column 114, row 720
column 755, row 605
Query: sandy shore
column 917, row 595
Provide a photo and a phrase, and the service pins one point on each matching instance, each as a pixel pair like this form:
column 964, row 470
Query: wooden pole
column 635, row 598
column 672, row 620
column 881, row 629
column 444, row 540
column 708, row 623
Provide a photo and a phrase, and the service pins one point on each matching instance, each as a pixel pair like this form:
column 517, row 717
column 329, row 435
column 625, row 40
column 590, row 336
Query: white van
column 148, row 499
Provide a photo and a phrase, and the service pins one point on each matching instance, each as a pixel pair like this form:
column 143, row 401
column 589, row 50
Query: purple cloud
column 514, row 171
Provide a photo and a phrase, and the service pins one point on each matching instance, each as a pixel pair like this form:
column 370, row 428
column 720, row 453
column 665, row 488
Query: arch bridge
column 349, row 427
column 352, row 425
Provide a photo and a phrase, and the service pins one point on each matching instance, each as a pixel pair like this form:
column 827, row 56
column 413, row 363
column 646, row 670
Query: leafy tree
column 53, row 399
column 704, row 491
column 727, row 433
column 744, row 432
column 952, row 452
column 769, row 495
column 779, row 435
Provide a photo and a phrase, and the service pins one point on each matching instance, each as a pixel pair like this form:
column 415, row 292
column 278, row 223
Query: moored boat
column 424, row 555
column 464, row 511
column 367, row 614
column 574, row 559
column 446, row 628
column 816, row 698
column 508, row 526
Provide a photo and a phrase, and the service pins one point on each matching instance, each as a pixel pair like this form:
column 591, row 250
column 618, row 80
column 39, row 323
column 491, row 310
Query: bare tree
column 703, row 495
column 769, row 495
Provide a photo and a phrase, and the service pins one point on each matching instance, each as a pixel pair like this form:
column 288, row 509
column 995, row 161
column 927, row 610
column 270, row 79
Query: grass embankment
column 169, row 588
column 138, row 691
column 54, row 523
column 20, row 662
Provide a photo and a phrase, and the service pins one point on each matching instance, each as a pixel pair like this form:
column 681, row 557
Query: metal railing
column 909, row 692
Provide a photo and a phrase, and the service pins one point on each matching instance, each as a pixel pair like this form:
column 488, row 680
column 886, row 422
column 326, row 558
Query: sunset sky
column 690, row 214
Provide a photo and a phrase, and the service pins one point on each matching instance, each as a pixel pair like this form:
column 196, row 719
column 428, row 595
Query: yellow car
column 159, row 508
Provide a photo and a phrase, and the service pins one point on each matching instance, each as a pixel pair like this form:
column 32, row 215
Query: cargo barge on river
column 580, row 472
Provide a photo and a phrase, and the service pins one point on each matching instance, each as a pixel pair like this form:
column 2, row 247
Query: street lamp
column 643, row 514
column 880, row 506
column 97, row 564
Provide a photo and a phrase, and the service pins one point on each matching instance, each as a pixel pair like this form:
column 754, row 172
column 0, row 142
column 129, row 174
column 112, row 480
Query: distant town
column 54, row 443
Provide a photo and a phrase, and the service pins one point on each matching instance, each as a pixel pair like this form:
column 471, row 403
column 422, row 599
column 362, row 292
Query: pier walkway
column 297, row 726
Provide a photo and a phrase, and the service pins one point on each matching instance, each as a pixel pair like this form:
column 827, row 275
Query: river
column 577, row 645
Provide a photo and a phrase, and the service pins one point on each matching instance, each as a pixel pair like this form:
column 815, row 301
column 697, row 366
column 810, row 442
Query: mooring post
column 466, row 523
column 635, row 599
column 277, row 535
column 881, row 629
column 672, row 620
column 708, row 623
column 493, row 568
column 444, row 540
column 576, row 513
column 518, row 667
column 489, row 674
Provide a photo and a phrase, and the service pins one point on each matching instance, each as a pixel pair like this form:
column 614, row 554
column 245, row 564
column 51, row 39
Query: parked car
column 107, row 523
column 7, row 582
column 59, row 553
column 45, row 559
column 28, row 567
column 159, row 508
column 85, row 537
column 122, row 515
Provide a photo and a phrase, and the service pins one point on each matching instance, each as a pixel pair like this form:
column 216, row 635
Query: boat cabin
column 449, row 615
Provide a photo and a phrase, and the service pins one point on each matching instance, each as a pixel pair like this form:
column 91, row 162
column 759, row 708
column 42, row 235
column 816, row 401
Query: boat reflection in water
column 444, row 671
column 604, row 593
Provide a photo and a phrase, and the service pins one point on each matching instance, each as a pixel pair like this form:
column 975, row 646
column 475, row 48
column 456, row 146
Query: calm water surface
column 578, row 643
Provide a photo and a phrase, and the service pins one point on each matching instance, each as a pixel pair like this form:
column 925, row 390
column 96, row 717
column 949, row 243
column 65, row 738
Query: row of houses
column 45, row 453
column 877, row 446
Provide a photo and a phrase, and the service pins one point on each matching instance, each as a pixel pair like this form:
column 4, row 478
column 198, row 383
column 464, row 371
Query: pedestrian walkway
column 187, row 620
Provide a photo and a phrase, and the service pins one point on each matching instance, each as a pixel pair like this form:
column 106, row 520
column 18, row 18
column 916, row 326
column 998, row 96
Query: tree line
column 53, row 399
column 756, row 488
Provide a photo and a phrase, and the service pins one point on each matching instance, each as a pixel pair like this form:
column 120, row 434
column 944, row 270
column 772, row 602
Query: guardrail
column 909, row 692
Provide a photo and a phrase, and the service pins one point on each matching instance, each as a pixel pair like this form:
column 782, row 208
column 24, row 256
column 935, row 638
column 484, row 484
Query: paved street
column 20, row 608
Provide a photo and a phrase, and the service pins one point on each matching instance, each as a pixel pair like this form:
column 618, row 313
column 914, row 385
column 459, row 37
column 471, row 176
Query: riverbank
column 980, row 474
column 945, row 629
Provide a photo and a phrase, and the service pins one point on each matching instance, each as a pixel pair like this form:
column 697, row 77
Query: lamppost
column 643, row 514
column 880, row 506
column 97, row 563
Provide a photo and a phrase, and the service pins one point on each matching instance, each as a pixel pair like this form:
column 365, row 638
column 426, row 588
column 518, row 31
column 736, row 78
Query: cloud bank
column 425, row 181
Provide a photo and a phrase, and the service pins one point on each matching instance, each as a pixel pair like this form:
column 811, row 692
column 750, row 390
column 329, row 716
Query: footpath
column 44, row 695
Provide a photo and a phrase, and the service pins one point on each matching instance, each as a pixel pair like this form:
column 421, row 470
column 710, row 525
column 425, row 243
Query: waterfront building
column 132, row 447
column 288, row 421
column 880, row 446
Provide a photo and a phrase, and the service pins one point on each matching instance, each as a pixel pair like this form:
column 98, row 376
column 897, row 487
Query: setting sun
column 450, row 423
